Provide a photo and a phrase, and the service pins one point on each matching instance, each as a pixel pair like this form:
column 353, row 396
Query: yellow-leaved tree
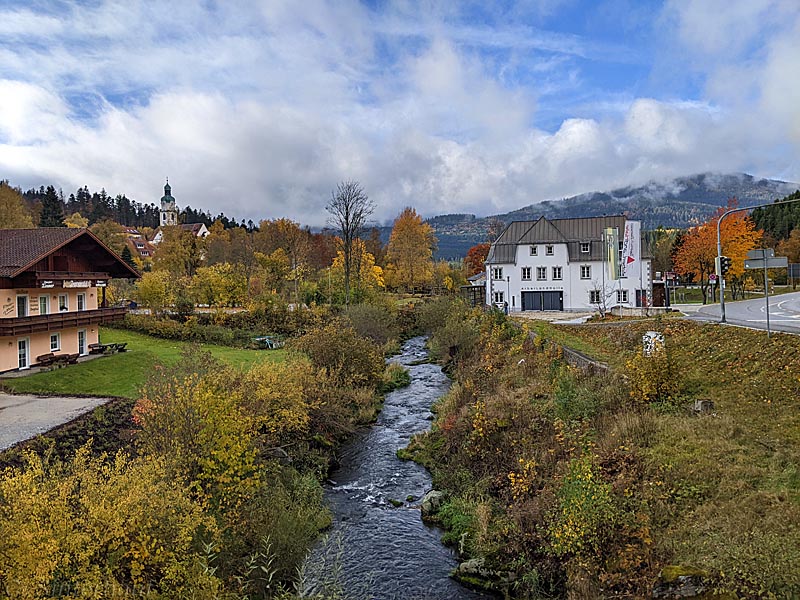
column 366, row 277
column 410, row 253
column 13, row 213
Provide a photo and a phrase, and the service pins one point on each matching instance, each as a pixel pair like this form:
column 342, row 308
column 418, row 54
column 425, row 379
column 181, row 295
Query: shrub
column 347, row 358
column 373, row 322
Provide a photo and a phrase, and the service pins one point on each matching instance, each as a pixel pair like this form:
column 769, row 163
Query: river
column 376, row 550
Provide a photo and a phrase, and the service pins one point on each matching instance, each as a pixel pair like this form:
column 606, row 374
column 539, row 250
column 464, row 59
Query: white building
column 570, row 265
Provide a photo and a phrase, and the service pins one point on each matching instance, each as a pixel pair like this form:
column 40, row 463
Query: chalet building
column 138, row 244
column 569, row 265
column 52, row 293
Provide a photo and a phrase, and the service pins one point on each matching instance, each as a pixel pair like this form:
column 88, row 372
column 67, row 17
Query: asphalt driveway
column 23, row 417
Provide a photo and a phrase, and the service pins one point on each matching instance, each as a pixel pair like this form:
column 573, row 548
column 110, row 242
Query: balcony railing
column 60, row 320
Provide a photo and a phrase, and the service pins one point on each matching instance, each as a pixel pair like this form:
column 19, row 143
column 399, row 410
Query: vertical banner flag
column 631, row 265
column 612, row 251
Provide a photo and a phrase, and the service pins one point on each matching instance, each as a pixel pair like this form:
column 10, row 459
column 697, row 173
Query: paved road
column 784, row 313
column 23, row 417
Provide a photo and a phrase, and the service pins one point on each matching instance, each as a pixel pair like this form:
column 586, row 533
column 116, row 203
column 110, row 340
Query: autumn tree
column 52, row 214
column 110, row 233
column 76, row 220
column 295, row 242
column 476, row 256
column 13, row 214
column 366, row 277
column 695, row 257
column 179, row 252
column 410, row 252
column 349, row 209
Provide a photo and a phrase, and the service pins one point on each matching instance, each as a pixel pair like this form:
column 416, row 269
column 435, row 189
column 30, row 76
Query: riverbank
column 591, row 486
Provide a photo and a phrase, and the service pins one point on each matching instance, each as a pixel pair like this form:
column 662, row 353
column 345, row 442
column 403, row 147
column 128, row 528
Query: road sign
column 778, row 262
column 712, row 278
column 761, row 253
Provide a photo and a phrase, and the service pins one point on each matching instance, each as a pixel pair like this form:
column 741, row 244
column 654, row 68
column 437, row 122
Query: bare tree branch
column 349, row 209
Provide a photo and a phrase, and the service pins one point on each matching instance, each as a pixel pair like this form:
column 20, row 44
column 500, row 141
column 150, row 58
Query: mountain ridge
column 676, row 203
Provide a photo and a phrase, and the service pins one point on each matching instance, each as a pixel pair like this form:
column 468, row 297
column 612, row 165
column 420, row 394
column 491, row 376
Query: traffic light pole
column 719, row 248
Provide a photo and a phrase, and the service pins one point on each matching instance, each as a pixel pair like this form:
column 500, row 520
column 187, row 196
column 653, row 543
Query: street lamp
column 719, row 248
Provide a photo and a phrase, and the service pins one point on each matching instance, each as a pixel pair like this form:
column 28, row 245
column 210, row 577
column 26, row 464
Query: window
column 22, row 306
column 497, row 273
column 44, row 305
column 586, row 271
column 585, row 247
column 548, row 250
column 55, row 342
column 139, row 245
column 498, row 297
column 557, row 274
column 534, row 250
column 541, row 273
column 81, row 301
column 63, row 302
column 622, row 296
column 594, row 296
column 526, row 273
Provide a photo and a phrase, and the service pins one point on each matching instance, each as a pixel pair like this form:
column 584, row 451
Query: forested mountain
column 677, row 203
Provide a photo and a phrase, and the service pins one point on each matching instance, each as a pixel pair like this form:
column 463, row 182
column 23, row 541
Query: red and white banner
column 630, row 266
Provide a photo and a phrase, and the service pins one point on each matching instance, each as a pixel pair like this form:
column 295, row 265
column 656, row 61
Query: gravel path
column 23, row 417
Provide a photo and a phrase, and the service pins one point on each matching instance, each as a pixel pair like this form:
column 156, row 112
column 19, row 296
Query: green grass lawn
column 123, row 374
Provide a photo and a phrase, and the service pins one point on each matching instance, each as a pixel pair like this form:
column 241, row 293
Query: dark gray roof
column 543, row 231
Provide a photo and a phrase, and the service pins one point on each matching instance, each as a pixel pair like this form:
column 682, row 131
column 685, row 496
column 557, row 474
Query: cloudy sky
column 258, row 108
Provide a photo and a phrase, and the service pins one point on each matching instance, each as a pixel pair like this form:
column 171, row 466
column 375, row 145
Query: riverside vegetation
column 567, row 483
column 214, row 491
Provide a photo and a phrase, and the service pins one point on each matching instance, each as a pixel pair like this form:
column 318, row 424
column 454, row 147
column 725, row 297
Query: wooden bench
column 96, row 348
column 45, row 360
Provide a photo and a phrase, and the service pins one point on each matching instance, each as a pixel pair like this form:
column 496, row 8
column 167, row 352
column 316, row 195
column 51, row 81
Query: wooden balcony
column 58, row 321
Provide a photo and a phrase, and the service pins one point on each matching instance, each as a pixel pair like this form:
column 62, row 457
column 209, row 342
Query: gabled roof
column 559, row 231
column 542, row 231
column 20, row 249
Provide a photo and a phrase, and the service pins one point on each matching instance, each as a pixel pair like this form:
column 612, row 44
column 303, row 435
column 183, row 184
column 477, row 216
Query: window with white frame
column 526, row 273
column 44, row 305
column 497, row 272
column 81, row 301
column 622, row 296
column 499, row 297
column 594, row 296
column 585, row 247
column 557, row 274
column 541, row 273
column 63, row 302
column 55, row 342
column 534, row 250
column 548, row 250
column 586, row 271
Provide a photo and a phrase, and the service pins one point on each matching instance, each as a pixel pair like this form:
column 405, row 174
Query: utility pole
column 719, row 248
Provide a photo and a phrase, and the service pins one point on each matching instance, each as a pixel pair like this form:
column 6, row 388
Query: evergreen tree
column 127, row 256
column 52, row 209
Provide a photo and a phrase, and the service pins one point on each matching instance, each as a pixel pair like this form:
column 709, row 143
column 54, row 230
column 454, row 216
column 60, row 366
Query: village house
column 569, row 265
column 53, row 294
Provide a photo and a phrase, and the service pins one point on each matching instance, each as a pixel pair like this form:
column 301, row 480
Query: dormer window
column 548, row 250
column 585, row 247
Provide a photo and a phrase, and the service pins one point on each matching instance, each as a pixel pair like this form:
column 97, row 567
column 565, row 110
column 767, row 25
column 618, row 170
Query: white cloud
column 259, row 110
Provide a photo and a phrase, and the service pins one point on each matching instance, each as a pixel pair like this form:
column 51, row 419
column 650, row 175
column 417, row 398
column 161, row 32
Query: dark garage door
column 542, row 300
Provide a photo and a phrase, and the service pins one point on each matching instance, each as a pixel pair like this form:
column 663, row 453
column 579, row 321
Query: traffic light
column 724, row 264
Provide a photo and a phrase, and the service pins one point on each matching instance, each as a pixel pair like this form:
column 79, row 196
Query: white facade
column 526, row 272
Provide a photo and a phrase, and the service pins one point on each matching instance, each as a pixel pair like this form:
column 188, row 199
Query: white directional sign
column 761, row 253
column 777, row 262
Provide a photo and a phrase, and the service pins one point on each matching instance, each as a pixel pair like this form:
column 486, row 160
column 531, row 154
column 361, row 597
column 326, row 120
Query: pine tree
column 52, row 209
column 127, row 256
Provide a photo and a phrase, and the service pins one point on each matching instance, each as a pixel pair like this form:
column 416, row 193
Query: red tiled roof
column 21, row 248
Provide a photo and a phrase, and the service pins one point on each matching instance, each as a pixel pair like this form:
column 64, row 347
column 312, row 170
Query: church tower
column 169, row 213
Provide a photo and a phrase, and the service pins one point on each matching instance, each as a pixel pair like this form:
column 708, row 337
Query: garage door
column 542, row 300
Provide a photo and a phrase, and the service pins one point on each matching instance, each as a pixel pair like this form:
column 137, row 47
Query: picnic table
column 112, row 348
column 56, row 360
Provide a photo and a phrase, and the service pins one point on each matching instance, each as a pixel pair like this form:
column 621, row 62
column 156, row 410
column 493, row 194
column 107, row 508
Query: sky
column 259, row 108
